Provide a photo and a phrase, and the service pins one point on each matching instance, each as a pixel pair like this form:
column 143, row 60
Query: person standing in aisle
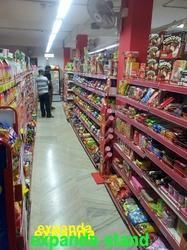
column 48, row 75
column 43, row 93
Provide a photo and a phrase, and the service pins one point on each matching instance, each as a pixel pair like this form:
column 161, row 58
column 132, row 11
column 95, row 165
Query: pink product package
column 138, row 186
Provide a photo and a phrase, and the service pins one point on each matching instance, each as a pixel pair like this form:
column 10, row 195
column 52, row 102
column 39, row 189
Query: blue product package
column 137, row 217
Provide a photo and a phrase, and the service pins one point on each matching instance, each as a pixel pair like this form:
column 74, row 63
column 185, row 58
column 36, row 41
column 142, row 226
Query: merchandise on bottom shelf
column 28, row 152
column 68, row 109
column 94, row 128
column 177, row 194
column 134, row 214
column 88, row 141
column 150, row 195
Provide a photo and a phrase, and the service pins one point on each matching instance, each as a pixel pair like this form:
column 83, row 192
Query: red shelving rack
column 170, row 145
column 88, row 101
column 17, row 118
column 155, row 111
column 130, row 144
column 102, row 108
column 83, row 145
column 168, row 170
column 173, row 239
column 89, row 130
column 164, row 86
column 88, row 114
column 92, row 90
column 165, row 231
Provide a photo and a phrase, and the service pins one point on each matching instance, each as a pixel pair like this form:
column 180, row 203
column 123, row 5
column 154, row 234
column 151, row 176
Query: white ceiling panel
column 29, row 22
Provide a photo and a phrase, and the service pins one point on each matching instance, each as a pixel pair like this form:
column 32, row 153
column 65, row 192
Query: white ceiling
column 29, row 22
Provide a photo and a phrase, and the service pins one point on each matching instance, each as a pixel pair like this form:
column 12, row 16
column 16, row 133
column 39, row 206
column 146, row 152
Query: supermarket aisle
column 63, row 191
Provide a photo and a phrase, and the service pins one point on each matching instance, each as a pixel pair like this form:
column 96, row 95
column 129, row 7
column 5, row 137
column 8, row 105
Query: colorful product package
column 137, row 216
column 142, row 70
column 134, row 69
column 148, row 95
column 157, row 245
column 164, row 70
column 178, row 67
column 144, row 228
column 171, row 47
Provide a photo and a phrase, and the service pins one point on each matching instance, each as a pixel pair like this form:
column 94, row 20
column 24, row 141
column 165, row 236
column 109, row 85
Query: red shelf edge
column 157, row 190
column 87, row 101
column 132, row 102
column 155, row 111
column 134, row 167
column 84, row 124
column 97, row 92
column 171, row 172
column 169, row 117
column 178, row 150
column 159, row 85
column 88, row 114
column 130, row 144
column 155, row 219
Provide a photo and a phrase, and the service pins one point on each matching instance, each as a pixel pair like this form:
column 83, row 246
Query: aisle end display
column 18, row 108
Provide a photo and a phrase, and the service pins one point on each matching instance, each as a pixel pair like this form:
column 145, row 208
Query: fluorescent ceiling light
column 63, row 8
column 105, row 48
column 56, row 26
column 181, row 26
column 50, row 42
column 49, row 55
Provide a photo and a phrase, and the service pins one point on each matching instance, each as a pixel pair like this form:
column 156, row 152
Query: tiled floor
column 63, row 191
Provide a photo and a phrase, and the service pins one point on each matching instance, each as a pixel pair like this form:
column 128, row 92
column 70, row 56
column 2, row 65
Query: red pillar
column 81, row 43
column 67, row 56
column 135, row 30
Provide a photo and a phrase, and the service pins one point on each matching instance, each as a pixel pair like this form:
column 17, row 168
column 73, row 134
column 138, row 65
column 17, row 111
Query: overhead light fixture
column 105, row 48
column 50, row 42
column 181, row 26
column 63, row 8
column 47, row 55
column 56, row 26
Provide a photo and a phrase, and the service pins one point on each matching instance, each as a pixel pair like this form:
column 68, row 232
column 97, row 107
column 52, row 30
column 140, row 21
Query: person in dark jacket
column 48, row 75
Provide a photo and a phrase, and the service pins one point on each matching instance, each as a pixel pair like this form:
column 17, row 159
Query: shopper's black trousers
column 45, row 106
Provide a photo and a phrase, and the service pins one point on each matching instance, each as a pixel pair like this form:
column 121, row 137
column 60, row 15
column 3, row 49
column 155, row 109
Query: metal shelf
column 83, row 145
column 155, row 111
column 160, row 193
column 163, row 228
column 128, row 160
column 130, row 144
column 164, row 86
column 96, row 91
column 88, row 101
column 170, row 145
column 139, row 105
column 168, row 170
column 88, row 114
column 89, row 130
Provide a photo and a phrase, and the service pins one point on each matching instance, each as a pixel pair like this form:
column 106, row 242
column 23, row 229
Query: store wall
column 42, row 61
